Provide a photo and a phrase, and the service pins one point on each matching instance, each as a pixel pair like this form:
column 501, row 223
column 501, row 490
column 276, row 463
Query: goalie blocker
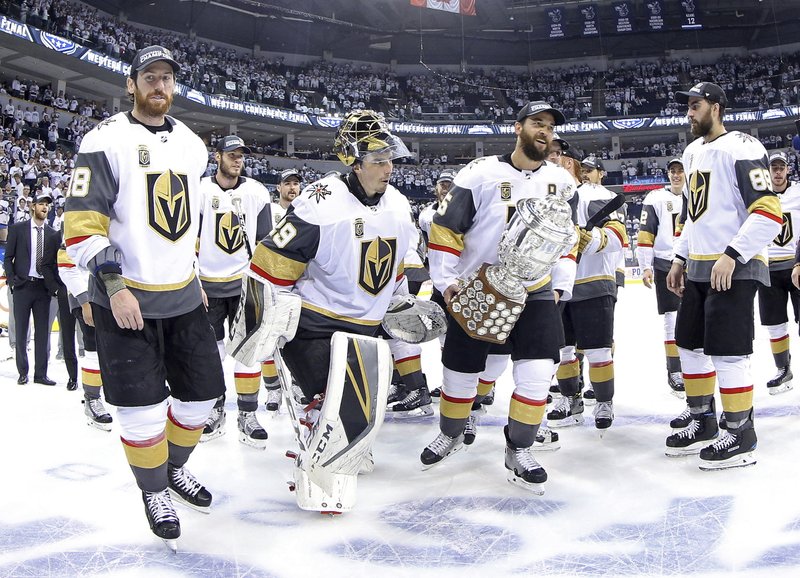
column 340, row 441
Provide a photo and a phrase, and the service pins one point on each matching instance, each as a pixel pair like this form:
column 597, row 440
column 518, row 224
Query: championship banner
column 465, row 7
column 590, row 20
column 623, row 15
column 655, row 19
column 556, row 16
column 690, row 20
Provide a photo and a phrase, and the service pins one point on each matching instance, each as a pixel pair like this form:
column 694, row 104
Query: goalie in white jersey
column 322, row 282
column 720, row 259
column 660, row 211
column 235, row 213
column 132, row 218
column 465, row 233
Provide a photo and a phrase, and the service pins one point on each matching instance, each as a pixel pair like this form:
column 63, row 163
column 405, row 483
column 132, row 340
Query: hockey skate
column 185, row 488
column 439, row 449
column 250, row 431
column 215, row 425
column 96, row 414
column 436, row 394
column 691, row 439
column 568, row 411
column 523, row 469
column 298, row 396
column 397, row 391
column 416, row 403
column 274, row 398
column 162, row 518
column 553, row 393
column 782, row 382
column 488, row 399
column 732, row 450
column 676, row 386
column 603, row 415
column 471, row 429
column 683, row 420
column 546, row 441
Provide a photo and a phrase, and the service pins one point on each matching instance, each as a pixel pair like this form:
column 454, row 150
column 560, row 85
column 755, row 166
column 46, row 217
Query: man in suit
column 30, row 266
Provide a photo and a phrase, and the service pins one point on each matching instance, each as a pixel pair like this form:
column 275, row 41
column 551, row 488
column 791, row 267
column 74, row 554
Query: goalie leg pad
column 352, row 412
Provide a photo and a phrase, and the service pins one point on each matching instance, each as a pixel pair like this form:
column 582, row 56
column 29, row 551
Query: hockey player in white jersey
column 322, row 282
column 660, row 211
column 235, row 213
column 465, row 233
column 720, row 259
column 132, row 218
column 772, row 299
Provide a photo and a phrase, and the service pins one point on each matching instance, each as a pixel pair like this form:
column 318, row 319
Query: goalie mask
column 365, row 136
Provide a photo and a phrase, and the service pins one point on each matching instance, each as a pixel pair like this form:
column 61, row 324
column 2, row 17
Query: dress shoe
column 72, row 385
column 44, row 380
column 23, row 379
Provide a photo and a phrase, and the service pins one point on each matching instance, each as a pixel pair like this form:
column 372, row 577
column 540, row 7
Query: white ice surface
column 613, row 507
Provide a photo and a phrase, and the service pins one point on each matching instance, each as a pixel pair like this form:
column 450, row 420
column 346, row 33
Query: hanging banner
column 622, row 16
column 690, row 20
column 556, row 16
column 590, row 20
column 655, row 20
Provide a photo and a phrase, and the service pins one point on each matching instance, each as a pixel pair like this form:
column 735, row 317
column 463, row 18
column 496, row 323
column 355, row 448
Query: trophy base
column 483, row 312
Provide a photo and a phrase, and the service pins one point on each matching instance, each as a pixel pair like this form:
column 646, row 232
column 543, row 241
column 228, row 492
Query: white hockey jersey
column 782, row 250
column 660, row 211
column 341, row 252
column 470, row 221
column 730, row 207
column 226, row 244
column 138, row 189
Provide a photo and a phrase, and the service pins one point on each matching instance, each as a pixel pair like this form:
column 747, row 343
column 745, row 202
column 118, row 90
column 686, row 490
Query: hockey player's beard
column 152, row 108
column 701, row 127
column 530, row 148
column 229, row 171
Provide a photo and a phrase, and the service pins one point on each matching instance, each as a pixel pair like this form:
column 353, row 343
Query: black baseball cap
column 780, row 157
column 43, row 198
column 287, row 174
column 535, row 107
column 231, row 143
column 593, row 163
column 561, row 142
column 446, row 175
column 147, row 56
column 674, row 161
column 708, row 90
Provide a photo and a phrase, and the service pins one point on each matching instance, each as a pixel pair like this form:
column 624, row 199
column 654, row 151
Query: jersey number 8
column 79, row 184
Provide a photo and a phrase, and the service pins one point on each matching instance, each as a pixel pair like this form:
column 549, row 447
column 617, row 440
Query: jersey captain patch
column 376, row 267
column 699, row 184
column 228, row 232
column 168, row 204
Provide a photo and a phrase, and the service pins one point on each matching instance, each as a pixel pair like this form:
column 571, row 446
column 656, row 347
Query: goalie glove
column 413, row 320
column 265, row 320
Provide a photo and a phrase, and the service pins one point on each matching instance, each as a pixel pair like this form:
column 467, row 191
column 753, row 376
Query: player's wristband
column 113, row 283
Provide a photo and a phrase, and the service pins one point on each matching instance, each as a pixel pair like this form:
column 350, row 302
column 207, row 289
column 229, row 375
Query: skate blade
column 567, row 422
column 272, row 414
column 682, row 452
column 250, row 442
column 740, row 461
column 97, row 425
column 589, row 401
column 447, row 455
column 549, row 447
column 779, row 389
column 212, row 436
column 423, row 411
column 178, row 498
column 678, row 394
column 171, row 544
column 514, row 480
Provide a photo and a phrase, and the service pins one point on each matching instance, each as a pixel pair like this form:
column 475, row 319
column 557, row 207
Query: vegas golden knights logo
column 144, row 156
column 699, row 183
column 228, row 230
column 168, row 204
column 786, row 234
column 358, row 228
column 505, row 191
column 376, row 264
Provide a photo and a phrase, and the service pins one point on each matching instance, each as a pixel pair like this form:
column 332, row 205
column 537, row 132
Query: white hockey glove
column 413, row 320
column 266, row 319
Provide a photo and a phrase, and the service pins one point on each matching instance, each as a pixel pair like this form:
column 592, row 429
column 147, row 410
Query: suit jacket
column 17, row 262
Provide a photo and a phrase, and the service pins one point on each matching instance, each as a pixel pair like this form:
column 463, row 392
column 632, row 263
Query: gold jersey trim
column 332, row 315
column 159, row 286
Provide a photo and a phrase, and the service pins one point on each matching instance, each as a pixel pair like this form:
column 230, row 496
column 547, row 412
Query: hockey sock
column 735, row 388
column 673, row 359
column 182, row 439
column 699, row 379
column 779, row 343
column 568, row 372
column 269, row 375
column 601, row 373
column 90, row 375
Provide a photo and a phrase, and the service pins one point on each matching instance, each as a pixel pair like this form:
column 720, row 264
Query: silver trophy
column 492, row 299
